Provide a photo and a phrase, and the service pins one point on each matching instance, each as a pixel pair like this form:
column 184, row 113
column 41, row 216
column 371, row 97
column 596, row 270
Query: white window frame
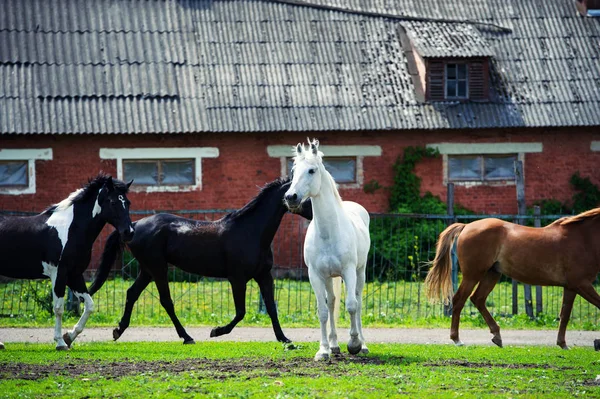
column 30, row 155
column 520, row 149
column 195, row 153
column 283, row 152
column 457, row 80
column 595, row 146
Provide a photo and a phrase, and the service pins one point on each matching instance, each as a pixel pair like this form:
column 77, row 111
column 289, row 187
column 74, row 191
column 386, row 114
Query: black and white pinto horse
column 57, row 244
column 236, row 247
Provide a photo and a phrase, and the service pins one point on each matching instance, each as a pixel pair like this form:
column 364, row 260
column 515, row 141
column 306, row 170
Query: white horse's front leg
column 88, row 308
column 349, row 275
column 318, row 285
column 331, row 302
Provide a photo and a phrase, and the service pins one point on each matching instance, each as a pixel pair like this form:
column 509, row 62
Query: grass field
column 27, row 303
column 267, row 370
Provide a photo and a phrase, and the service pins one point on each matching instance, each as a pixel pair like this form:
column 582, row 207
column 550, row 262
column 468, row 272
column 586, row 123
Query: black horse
column 236, row 247
column 57, row 243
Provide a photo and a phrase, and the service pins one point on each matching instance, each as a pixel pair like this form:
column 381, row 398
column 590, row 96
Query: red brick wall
column 230, row 180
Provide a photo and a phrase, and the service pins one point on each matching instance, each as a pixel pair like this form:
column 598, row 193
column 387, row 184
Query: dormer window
column 457, row 82
column 448, row 62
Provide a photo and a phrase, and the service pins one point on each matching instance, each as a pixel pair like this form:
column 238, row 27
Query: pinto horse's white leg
column 349, row 275
column 58, row 280
column 88, row 308
column 332, row 300
column 318, row 285
column 360, row 283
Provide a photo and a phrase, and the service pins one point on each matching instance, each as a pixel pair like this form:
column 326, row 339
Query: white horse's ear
column 314, row 146
column 299, row 150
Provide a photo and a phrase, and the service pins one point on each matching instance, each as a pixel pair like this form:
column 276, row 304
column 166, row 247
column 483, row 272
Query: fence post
column 539, row 305
column 451, row 219
column 522, row 211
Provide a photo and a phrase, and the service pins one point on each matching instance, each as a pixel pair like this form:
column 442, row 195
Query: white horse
column 336, row 245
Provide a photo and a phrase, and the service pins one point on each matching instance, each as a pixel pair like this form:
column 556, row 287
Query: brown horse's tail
column 438, row 282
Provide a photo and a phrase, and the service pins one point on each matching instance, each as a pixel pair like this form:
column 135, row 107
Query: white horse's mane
column 315, row 159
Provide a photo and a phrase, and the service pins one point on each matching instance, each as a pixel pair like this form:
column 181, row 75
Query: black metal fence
column 400, row 247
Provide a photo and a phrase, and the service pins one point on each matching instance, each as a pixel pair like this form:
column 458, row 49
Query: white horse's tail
column 337, row 291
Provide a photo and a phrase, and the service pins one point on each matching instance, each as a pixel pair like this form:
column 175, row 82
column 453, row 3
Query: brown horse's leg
column 486, row 285
column 565, row 315
column 458, row 301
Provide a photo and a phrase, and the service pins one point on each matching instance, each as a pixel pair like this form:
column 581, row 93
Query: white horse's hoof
column 321, row 357
column 62, row 348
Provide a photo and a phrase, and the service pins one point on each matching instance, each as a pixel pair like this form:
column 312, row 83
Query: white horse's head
column 306, row 174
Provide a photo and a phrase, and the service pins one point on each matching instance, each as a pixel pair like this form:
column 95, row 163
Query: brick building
column 201, row 101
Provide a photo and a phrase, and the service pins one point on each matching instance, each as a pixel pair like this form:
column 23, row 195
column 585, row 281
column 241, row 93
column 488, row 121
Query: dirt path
column 372, row 335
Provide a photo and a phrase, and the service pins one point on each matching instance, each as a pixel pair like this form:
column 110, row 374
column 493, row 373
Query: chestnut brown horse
column 565, row 253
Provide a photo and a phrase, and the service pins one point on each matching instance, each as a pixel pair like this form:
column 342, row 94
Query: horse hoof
column 336, row 350
column 354, row 350
column 497, row 341
column 289, row 346
column 62, row 348
column 458, row 343
column 214, row 332
column 67, row 339
column 189, row 341
column 1, row 346
column 116, row 334
column 564, row 347
column 364, row 350
column 321, row 357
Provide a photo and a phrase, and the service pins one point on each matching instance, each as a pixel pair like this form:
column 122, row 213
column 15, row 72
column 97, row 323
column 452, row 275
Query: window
column 13, row 174
column 17, row 169
column 343, row 169
column 169, row 169
column 344, row 162
column 159, row 172
column 481, row 167
column 456, row 80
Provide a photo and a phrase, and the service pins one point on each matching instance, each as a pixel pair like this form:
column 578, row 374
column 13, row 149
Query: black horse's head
column 113, row 206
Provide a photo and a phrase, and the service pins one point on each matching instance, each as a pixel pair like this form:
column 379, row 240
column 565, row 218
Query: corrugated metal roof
column 137, row 66
column 440, row 39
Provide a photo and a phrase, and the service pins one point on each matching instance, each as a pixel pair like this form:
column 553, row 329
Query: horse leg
column 162, row 284
column 265, row 284
column 565, row 315
column 238, row 288
column 318, row 284
column 331, row 301
column 349, row 276
column 77, row 284
column 486, row 285
column 360, row 283
column 458, row 302
column 58, row 277
column 1, row 346
column 133, row 293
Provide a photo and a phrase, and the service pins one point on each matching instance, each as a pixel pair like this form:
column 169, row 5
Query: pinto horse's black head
column 112, row 205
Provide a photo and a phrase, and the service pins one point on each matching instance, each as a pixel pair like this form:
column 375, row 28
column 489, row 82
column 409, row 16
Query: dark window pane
column 13, row 173
column 178, row 172
column 290, row 165
column 144, row 173
column 343, row 170
column 464, row 168
column 462, row 71
column 462, row 88
column 451, row 71
column 451, row 88
column 500, row 167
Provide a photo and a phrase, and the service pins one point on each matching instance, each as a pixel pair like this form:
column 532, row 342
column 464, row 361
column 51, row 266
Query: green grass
column 210, row 303
column 231, row 369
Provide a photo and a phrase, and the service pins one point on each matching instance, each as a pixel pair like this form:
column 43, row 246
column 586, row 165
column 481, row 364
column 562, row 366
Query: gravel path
column 372, row 335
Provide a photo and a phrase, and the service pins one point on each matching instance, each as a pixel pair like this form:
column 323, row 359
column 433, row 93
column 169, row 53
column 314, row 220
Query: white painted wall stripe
column 486, row 148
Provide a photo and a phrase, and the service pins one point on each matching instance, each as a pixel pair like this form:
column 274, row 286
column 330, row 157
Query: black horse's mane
column 252, row 203
column 90, row 189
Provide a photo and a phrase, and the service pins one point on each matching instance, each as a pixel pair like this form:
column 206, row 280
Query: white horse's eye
column 311, row 171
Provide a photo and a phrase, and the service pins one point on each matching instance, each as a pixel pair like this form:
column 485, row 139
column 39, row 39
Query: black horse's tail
column 112, row 249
